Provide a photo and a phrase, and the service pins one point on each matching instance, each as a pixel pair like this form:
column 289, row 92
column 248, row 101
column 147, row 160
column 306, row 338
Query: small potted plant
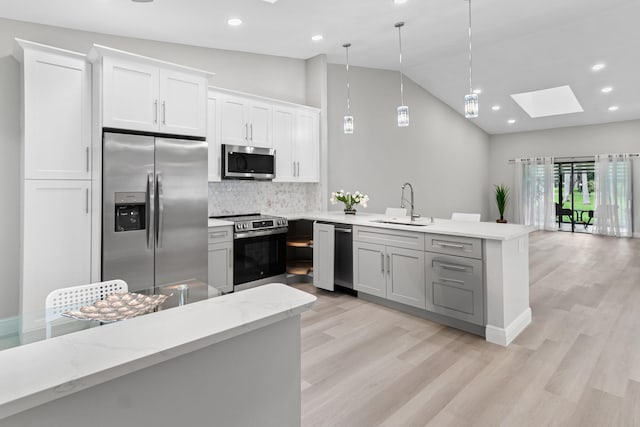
column 349, row 200
column 502, row 198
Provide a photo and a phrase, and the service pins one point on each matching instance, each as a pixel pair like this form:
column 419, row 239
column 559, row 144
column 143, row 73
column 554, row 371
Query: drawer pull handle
column 460, row 282
column 453, row 267
column 218, row 234
column 450, row 245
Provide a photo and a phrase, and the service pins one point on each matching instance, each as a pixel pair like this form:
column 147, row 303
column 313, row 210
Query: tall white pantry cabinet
column 55, row 175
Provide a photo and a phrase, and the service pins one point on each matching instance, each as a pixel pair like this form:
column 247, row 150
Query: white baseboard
column 504, row 336
column 8, row 326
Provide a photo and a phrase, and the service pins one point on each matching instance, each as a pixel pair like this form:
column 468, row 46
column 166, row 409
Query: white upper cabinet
column 260, row 123
column 307, row 149
column 292, row 130
column 213, row 136
column 244, row 121
column 234, row 125
column 131, row 94
column 149, row 95
column 184, row 103
column 284, row 137
column 56, row 112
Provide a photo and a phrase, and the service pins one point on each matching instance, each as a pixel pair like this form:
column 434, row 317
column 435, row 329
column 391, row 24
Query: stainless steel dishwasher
column 343, row 256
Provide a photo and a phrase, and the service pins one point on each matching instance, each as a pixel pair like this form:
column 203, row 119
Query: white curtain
column 534, row 193
column 613, row 195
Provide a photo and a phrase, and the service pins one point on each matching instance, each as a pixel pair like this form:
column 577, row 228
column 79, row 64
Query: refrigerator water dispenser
column 130, row 211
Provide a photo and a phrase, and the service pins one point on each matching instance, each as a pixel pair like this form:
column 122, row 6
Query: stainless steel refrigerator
column 154, row 210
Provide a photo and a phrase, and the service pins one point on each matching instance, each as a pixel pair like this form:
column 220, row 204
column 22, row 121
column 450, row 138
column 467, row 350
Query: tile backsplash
column 235, row 197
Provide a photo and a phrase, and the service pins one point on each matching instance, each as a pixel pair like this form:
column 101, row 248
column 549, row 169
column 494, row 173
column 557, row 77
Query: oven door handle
column 250, row 234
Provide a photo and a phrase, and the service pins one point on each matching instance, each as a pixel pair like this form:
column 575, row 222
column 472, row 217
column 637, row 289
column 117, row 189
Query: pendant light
column 348, row 118
column 471, row 106
column 403, row 110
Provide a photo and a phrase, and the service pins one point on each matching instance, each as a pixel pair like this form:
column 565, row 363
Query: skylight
column 548, row 102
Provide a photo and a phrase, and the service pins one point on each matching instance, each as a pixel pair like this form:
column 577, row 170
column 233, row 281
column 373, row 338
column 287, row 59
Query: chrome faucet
column 412, row 215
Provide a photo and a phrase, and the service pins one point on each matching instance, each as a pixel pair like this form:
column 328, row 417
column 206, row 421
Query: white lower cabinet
column 397, row 274
column 323, row 256
column 220, row 258
column 56, row 245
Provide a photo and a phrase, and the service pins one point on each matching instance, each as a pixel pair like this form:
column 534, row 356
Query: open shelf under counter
column 300, row 241
column 300, row 267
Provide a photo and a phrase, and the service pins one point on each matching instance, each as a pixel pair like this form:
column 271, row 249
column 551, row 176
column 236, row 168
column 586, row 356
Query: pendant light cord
column 399, row 25
column 346, row 46
column 470, row 54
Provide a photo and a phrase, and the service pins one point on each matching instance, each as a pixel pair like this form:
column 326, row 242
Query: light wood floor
column 577, row 364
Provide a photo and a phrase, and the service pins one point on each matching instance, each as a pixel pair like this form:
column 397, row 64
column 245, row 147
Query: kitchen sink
column 420, row 222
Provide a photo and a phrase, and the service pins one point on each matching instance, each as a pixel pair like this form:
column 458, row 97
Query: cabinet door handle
column 453, row 267
column 251, row 128
column 164, row 113
column 389, row 264
column 460, row 282
column 293, row 166
column 246, row 131
column 86, row 208
column 230, row 258
column 450, row 245
column 88, row 159
column 382, row 262
column 155, row 111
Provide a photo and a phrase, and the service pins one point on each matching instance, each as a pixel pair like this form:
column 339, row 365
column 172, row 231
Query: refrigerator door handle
column 150, row 203
column 160, row 211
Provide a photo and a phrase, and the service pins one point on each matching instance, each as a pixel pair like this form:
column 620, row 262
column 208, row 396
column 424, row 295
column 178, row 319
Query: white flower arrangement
column 349, row 200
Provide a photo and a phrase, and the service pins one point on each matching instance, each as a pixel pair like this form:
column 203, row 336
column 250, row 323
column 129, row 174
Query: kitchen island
column 487, row 295
column 230, row 360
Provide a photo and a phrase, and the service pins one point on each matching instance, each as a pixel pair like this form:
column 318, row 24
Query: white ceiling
column 518, row 46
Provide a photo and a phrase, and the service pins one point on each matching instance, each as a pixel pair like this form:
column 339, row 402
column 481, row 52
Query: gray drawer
column 388, row 237
column 221, row 234
column 455, row 287
column 454, row 245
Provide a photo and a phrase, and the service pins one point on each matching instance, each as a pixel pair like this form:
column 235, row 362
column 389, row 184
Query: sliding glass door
column 574, row 195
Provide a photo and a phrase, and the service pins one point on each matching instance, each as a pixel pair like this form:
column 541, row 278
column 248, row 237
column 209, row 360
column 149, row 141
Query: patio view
column 574, row 195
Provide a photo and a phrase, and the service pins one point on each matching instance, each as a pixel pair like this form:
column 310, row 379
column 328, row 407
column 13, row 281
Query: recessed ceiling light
column 270, row 1
column 400, row 1
column 477, row 91
column 599, row 66
column 511, row 121
column 548, row 102
column 234, row 22
column 614, row 108
column 142, row 1
column 606, row 89
column 496, row 108
column 317, row 37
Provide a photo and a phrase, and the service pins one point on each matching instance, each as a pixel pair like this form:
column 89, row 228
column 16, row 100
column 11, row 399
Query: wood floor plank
column 577, row 364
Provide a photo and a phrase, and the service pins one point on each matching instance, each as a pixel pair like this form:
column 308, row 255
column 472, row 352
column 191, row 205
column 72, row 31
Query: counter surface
column 43, row 371
column 481, row 230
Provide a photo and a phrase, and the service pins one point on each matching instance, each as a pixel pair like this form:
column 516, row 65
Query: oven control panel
column 261, row 224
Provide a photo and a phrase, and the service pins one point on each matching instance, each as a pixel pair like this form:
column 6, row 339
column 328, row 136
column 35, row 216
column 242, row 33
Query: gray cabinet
column 323, row 256
column 220, row 258
column 394, row 273
column 369, row 269
column 455, row 287
column 454, row 245
column 406, row 277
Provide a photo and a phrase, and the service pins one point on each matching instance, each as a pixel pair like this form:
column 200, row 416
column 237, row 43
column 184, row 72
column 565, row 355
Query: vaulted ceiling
column 518, row 46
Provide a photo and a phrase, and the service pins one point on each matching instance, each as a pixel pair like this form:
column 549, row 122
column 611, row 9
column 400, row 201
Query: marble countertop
column 37, row 373
column 481, row 230
column 214, row 222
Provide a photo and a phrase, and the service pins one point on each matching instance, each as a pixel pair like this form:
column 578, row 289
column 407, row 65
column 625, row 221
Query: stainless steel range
column 259, row 247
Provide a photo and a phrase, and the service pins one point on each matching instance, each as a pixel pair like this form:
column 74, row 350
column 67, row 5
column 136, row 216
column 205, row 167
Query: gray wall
column 441, row 153
column 620, row 137
column 276, row 77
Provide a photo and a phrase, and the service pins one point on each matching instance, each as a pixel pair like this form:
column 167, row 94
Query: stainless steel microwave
column 242, row 162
